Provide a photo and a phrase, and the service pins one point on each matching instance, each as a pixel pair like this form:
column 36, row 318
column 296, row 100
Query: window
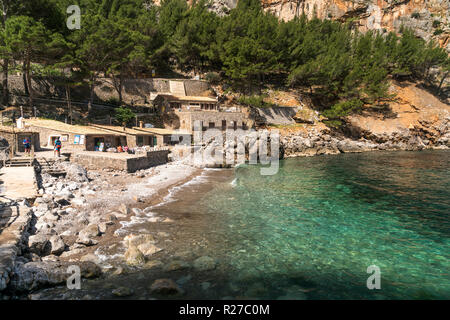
column 212, row 125
column 140, row 140
column 224, row 124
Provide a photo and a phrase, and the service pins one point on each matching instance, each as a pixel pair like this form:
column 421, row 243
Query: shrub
column 213, row 77
column 436, row 23
column 343, row 108
column 256, row 101
column 124, row 115
column 415, row 15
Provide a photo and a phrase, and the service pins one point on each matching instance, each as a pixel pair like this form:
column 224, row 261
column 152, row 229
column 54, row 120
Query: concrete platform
column 17, row 183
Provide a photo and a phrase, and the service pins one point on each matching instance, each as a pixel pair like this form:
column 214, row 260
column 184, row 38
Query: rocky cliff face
column 416, row 120
column 429, row 18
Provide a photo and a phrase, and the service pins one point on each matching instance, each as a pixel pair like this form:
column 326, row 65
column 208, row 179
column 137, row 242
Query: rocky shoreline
column 318, row 141
column 77, row 214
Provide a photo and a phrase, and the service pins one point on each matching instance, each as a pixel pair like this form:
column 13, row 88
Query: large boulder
column 90, row 231
column 57, row 245
column 35, row 275
column 39, row 244
column 74, row 172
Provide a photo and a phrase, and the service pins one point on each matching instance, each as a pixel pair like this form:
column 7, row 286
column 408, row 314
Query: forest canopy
column 247, row 48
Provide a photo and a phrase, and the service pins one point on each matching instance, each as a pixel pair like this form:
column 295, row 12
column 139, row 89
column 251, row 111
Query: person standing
column 27, row 145
column 58, row 146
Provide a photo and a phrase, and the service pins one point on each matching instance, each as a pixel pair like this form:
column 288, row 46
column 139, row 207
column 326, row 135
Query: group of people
column 56, row 151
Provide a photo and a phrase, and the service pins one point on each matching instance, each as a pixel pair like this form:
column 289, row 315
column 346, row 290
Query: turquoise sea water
column 316, row 226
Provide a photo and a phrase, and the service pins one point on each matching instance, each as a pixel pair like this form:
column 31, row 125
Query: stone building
column 15, row 137
column 130, row 137
column 73, row 137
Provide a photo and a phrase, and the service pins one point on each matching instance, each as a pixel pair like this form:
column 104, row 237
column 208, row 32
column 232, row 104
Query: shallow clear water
column 320, row 222
column 308, row 232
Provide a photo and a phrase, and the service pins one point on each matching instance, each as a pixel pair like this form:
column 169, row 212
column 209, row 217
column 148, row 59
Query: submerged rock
column 134, row 257
column 176, row 265
column 165, row 287
column 205, row 263
column 122, row 292
column 148, row 249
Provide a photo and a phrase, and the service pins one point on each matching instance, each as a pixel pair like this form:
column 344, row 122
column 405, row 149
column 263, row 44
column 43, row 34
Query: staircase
column 48, row 166
column 177, row 88
column 19, row 162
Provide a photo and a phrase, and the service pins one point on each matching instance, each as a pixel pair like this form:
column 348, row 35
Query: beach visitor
column 27, row 145
column 58, row 146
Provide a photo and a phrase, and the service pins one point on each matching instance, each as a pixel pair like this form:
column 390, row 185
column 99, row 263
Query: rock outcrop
column 415, row 120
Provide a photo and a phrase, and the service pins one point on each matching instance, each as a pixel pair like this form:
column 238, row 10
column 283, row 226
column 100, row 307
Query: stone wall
column 124, row 163
column 135, row 91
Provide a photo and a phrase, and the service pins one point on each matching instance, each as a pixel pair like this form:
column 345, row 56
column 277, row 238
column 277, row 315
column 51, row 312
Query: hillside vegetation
column 341, row 69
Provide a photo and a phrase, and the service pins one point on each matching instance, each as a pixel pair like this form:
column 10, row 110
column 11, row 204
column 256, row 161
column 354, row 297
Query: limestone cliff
column 429, row 18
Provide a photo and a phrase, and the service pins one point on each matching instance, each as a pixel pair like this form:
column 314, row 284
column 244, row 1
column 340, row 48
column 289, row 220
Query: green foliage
column 343, row 109
column 254, row 101
column 124, row 115
column 249, row 47
column 213, row 77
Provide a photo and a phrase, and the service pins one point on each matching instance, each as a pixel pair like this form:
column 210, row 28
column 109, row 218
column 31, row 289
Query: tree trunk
column 442, row 82
column 24, row 76
column 5, row 99
column 120, row 89
column 30, row 88
column 91, row 96
column 69, row 105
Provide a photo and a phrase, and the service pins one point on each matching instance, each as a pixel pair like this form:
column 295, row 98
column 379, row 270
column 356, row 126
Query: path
column 17, row 183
